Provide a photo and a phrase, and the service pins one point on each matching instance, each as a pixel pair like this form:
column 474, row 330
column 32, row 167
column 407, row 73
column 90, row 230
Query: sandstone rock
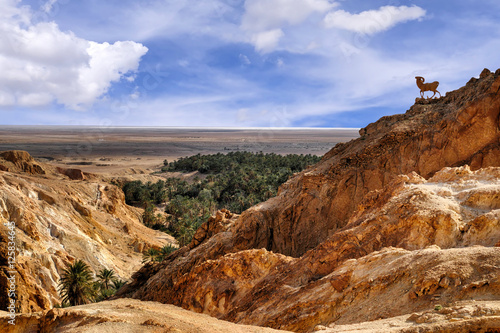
column 464, row 318
column 21, row 161
column 74, row 174
column 58, row 220
column 123, row 315
column 427, row 138
column 215, row 224
column 428, row 217
column 370, row 232
column 485, row 73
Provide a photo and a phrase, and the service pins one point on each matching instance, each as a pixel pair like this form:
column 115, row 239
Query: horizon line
column 189, row 127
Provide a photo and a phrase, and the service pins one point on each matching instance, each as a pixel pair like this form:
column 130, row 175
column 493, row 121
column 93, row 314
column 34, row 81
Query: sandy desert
column 129, row 150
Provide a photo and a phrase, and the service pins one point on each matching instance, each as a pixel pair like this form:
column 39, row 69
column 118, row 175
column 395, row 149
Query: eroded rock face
column 19, row 161
column 369, row 208
column 74, row 174
column 57, row 221
column 409, row 246
column 461, row 128
column 123, row 315
column 465, row 317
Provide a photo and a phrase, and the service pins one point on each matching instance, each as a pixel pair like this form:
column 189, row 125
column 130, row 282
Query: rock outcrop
column 19, row 161
column 415, row 244
column 382, row 226
column 58, row 220
column 465, row 317
column 73, row 174
column 123, row 316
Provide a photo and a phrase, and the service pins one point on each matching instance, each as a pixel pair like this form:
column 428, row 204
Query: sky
column 235, row 63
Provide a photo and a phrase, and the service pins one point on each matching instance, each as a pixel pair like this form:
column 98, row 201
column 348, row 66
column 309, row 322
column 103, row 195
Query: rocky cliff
column 61, row 215
column 396, row 221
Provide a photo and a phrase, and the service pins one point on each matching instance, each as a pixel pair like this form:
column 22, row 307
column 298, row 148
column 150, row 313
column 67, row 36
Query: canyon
column 381, row 227
column 394, row 231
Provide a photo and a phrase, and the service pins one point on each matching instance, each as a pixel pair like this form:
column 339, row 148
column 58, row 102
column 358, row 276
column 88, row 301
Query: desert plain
column 137, row 150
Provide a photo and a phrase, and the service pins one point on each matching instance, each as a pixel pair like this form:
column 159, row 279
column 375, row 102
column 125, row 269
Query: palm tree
column 150, row 255
column 75, row 286
column 165, row 252
column 117, row 284
column 186, row 233
column 106, row 276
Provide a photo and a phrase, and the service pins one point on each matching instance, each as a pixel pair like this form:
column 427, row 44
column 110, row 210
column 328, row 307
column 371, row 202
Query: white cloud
column 11, row 11
column 167, row 19
column 6, row 99
column 264, row 19
column 267, row 41
column 244, row 59
column 108, row 63
column 372, row 21
column 41, row 64
column 271, row 14
column 47, row 6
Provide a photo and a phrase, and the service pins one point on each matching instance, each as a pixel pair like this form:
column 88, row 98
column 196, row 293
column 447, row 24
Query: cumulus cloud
column 264, row 19
column 372, row 21
column 268, row 40
column 41, row 64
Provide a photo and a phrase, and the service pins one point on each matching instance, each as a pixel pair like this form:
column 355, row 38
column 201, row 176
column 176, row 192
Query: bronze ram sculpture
column 427, row 86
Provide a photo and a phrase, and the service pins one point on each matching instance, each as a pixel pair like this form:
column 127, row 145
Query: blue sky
column 234, row 63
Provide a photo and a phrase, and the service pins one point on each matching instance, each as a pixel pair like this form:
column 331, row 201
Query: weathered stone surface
column 124, row 315
column 458, row 129
column 74, row 174
column 57, row 221
column 334, row 220
column 215, row 224
column 20, row 161
column 465, row 317
column 435, row 229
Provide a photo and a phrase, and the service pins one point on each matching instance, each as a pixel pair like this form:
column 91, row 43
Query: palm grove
column 235, row 181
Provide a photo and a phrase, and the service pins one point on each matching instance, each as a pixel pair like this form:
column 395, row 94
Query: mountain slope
column 123, row 316
column 61, row 215
column 327, row 225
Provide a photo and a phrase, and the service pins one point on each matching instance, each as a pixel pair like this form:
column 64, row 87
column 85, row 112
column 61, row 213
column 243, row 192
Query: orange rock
column 384, row 207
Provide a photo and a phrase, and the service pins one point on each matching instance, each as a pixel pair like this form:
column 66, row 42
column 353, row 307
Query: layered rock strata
column 123, row 316
column 58, row 219
column 338, row 242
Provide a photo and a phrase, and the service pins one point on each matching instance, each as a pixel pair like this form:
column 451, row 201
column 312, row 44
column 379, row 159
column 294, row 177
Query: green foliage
column 150, row 255
column 138, row 193
column 148, row 217
column 103, row 294
column 105, row 276
column 235, row 181
column 154, row 255
column 222, row 163
column 118, row 283
column 75, row 286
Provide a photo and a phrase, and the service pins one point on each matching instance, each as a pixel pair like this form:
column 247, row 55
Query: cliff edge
column 400, row 220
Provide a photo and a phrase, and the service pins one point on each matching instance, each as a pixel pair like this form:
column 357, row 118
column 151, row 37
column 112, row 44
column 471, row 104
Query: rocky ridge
column 61, row 215
column 388, row 224
column 123, row 316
